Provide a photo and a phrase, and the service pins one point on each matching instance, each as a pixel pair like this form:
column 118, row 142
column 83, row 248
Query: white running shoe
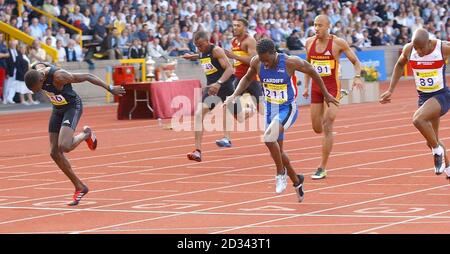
column 281, row 182
column 447, row 172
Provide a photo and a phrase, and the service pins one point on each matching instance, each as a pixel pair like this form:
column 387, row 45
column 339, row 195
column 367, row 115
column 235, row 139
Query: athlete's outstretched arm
column 396, row 74
column 308, row 69
column 63, row 77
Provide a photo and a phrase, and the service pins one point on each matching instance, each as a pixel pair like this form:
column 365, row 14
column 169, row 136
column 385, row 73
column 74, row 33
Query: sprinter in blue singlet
column 277, row 77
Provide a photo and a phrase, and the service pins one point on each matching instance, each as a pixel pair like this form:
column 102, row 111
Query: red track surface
column 380, row 178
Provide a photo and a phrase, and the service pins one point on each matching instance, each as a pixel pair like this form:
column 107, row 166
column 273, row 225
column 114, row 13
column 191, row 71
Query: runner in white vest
column 427, row 58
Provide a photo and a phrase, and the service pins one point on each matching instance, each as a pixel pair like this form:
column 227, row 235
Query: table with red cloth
column 154, row 99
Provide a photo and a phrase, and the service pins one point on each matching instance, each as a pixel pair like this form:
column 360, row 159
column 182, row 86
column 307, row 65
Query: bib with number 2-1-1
column 323, row 67
column 275, row 93
column 56, row 99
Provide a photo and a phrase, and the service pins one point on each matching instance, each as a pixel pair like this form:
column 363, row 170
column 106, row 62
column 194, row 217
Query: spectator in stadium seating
column 43, row 23
column 4, row 54
column 61, row 51
column 48, row 34
column 403, row 37
column 155, row 50
column 22, row 65
column 110, row 45
column 52, row 7
column 35, row 29
column 100, row 31
column 71, row 55
column 179, row 46
column 9, row 89
column 64, row 16
column 125, row 41
column 62, row 36
column 136, row 50
column 37, row 54
column 294, row 42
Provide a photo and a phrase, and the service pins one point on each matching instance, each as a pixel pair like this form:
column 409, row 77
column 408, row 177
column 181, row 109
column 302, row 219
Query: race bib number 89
column 428, row 81
column 275, row 93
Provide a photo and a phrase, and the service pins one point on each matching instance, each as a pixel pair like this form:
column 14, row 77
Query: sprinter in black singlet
column 219, row 76
column 67, row 110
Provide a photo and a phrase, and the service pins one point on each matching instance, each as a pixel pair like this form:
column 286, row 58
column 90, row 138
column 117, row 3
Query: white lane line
column 36, row 180
column 334, row 208
column 199, row 182
column 351, row 193
column 166, row 174
column 417, row 205
column 128, row 166
column 398, row 184
column 114, row 181
column 52, row 188
column 194, row 201
column 248, row 192
column 13, row 197
column 13, row 172
column 152, row 190
column 205, row 167
column 401, row 222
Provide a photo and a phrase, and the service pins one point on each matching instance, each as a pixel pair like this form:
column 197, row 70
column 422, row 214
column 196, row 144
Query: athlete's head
column 34, row 80
column 421, row 42
column 201, row 41
column 240, row 27
column 266, row 52
column 322, row 26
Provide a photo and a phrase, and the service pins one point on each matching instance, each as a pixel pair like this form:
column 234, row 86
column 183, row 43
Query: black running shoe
column 299, row 188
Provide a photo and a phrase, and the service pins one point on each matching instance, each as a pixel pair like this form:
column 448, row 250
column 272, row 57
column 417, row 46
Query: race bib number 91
column 323, row 67
column 275, row 93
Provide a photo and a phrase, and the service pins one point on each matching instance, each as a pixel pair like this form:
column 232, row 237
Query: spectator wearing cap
column 294, row 42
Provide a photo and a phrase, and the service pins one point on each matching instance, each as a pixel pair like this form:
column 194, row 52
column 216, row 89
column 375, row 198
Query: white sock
column 438, row 150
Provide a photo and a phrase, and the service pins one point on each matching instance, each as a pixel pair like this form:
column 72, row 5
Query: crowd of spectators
column 160, row 28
